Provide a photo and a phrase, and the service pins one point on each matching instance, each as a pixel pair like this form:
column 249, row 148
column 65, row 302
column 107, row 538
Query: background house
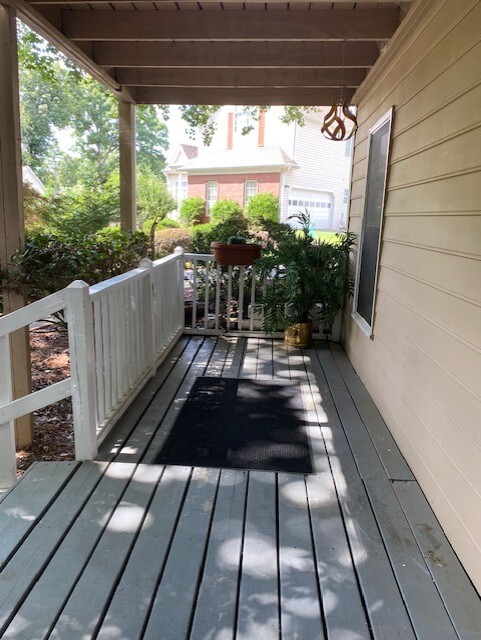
column 296, row 163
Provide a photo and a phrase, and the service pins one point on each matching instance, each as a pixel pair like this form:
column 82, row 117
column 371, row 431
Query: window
column 243, row 119
column 345, row 199
column 368, row 260
column 348, row 149
column 211, row 194
column 180, row 189
column 250, row 189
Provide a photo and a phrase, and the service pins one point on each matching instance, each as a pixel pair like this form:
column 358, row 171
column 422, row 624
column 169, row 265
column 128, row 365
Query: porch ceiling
column 229, row 52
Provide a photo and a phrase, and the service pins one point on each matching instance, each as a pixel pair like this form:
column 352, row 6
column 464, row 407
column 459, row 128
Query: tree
column 44, row 100
column 154, row 201
column 83, row 184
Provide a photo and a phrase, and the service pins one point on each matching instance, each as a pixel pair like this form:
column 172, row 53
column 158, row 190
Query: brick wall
column 232, row 186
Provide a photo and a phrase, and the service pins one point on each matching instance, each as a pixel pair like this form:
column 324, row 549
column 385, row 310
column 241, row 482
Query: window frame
column 208, row 203
column 366, row 327
column 246, row 199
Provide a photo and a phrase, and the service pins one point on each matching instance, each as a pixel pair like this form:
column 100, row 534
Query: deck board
column 258, row 608
column 128, row 608
column 387, row 449
column 119, row 548
column 215, row 610
column 20, row 511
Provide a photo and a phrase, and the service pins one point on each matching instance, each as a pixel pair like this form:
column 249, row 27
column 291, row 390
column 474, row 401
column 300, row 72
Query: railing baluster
column 241, row 297
column 99, row 359
column 194, row 299
column 107, row 363
column 206, row 298
column 217, row 296
column 229, row 295
column 253, row 299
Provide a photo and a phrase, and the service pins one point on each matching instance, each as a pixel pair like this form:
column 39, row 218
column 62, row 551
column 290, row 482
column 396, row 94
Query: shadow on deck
column 120, row 549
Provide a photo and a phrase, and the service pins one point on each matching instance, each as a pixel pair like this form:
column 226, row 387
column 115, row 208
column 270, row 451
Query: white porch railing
column 228, row 299
column 119, row 331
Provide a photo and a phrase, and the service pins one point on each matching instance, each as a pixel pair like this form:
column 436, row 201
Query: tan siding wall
column 423, row 367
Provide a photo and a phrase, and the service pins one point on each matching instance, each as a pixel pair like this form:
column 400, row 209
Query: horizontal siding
column 423, row 365
column 323, row 166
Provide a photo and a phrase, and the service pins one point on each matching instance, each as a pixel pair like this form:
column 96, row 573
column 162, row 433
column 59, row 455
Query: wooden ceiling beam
column 315, row 55
column 53, row 35
column 241, row 77
column 360, row 24
column 216, row 2
column 254, row 96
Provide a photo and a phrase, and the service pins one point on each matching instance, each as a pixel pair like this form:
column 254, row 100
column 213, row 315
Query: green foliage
column 83, row 183
column 83, row 209
column 192, row 211
column 224, row 210
column 166, row 240
column 152, row 140
column 204, row 234
column 261, row 208
column 203, row 117
column 268, row 232
column 48, row 263
column 34, row 207
column 154, row 201
column 302, row 274
column 168, row 223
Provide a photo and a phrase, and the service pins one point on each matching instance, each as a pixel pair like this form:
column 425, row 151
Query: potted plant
column 236, row 251
column 307, row 280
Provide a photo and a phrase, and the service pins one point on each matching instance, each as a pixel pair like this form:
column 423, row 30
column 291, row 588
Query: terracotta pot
column 235, row 254
column 299, row 334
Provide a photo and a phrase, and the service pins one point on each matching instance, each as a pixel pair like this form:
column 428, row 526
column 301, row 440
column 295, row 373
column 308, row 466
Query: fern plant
column 307, row 279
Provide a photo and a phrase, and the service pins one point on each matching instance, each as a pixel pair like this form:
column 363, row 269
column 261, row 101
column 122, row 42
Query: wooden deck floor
column 120, row 549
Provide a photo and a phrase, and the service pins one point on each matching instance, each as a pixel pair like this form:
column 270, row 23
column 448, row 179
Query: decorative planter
column 299, row 334
column 235, row 254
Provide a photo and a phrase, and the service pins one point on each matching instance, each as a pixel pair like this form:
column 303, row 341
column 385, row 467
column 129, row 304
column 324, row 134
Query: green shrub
column 192, row 211
column 204, row 234
column 48, row 263
column 168, row 223
column 262, row 207
column 269, row 232
column 166, row 240
column 225, row 210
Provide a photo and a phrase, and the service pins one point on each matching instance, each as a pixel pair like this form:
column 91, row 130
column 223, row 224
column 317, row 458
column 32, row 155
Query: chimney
column 262, row 128
column 230, row 130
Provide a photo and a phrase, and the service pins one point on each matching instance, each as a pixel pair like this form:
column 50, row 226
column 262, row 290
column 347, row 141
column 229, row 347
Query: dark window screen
column 376, row 181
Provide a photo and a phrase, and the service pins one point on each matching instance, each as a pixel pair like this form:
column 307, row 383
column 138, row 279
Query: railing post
column 82, row 365
column 149, row 317
column 179, row 251
column 8, row 465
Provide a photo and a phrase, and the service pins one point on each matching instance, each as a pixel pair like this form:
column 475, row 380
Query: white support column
column 11, row 205
column 82, row 366
column 128, row 198
column 149, row 317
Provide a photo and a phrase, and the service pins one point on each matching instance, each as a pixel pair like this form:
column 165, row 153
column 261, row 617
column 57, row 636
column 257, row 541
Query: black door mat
column 240, row 424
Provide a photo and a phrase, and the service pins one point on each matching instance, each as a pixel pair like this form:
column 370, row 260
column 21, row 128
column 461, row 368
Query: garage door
column 319, row 204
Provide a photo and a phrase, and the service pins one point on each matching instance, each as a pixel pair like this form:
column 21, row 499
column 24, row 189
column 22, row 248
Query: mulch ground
column 53, row 425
